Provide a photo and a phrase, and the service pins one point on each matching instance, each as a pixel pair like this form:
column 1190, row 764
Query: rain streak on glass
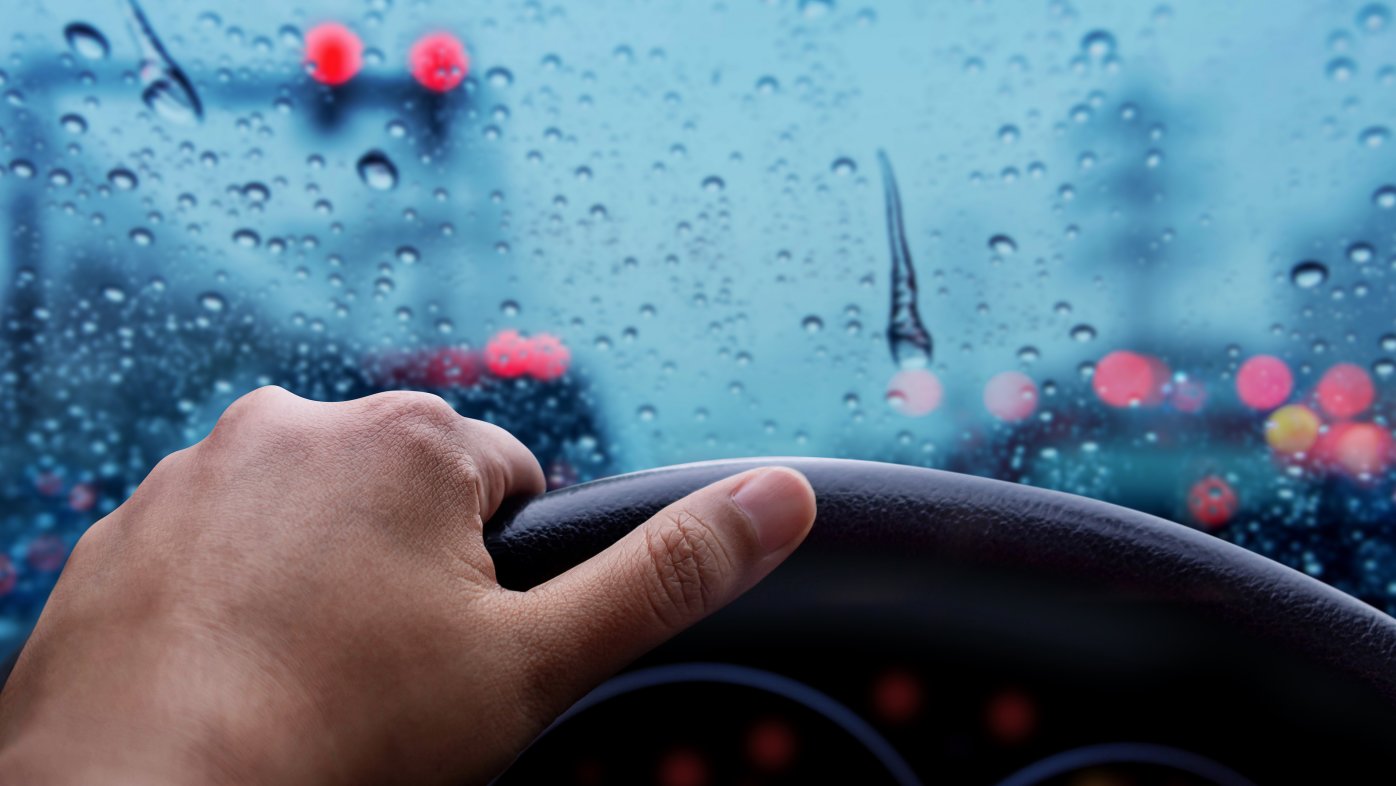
column 164, row 87
column 907, row 337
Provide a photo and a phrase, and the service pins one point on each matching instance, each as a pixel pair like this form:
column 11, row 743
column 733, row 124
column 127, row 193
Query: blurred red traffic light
column 439, row 61
column 333, row 53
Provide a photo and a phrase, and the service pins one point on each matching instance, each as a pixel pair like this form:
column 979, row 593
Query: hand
column 305, row 597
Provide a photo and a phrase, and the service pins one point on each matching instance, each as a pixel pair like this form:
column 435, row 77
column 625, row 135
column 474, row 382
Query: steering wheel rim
column 983, row 522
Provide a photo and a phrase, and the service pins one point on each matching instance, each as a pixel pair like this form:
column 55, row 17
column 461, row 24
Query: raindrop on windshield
column 212, row 301
column 1309, row 274
column 87, row 41
column 164, row 87
column 377, row 171
column 122, row 179
column 1002, row 245
column 1098, row 44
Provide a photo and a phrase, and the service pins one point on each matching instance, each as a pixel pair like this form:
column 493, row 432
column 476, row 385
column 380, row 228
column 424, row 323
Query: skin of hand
column 305, row 597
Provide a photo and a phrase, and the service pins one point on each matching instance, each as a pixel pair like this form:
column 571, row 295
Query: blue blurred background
column 686, row 197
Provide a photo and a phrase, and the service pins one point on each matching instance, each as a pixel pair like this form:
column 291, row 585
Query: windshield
column 1140, row 252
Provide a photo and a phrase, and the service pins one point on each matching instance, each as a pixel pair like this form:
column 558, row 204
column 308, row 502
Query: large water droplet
column 1309, row 274
column 377, row 171
column 1376, row 136
column 87, row 41
column 1384, row 197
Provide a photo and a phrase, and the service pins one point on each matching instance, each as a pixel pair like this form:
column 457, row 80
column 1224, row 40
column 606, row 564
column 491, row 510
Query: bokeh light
column 1264, row 382
column 439, row 61
column 1212, row 502
column 333, row 53
column 1011, row 396
column 1126, row 379
column 914, row 392
column 1292, row 429
column 898, row 697
column 1345, row 391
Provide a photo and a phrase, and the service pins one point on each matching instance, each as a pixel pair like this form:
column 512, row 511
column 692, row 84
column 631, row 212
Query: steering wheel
column 944, row 627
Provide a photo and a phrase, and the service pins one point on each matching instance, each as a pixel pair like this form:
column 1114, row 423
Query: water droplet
column 377, row 171
column 1388, row 342
column 1098, row 44
column 122, row 179
column 812, row 324
column 1375, row 136
column 1008, row 134
column 408, row 255
column 1029, row 354
column 1002, row 245
column 1384, row 197
column 247, row 238
column 142, row 236
column 1373, row 18
column 212, row 301
column 256, row 192
column 73, row 124
column 767, row 85
column 1083, row 333
column 60, row 177
column 22, row 168
column 499, row 77
column 646, row 413
column 1309, row 274
column 713, row 184
column 844, row 166
column 1384, row 368
column 114, row 293
column 509, row 308
column 1361, row 253
column 87, row 41
column 1341, row 69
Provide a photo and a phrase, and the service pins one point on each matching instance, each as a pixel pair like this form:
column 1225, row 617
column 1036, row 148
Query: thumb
column 689, row 560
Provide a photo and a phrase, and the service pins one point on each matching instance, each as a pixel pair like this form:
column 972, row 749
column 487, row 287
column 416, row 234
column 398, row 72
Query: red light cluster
column 334, row 55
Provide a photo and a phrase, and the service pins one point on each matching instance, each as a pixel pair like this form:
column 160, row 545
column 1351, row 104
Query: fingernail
column 778, row 504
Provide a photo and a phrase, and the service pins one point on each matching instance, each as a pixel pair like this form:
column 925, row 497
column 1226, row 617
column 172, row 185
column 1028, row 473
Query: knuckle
column 251, row 407
column 689, row 564
column 423, row 431
column 410, row 411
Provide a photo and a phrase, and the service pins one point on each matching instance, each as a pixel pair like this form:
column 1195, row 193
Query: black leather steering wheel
column 1031, row 582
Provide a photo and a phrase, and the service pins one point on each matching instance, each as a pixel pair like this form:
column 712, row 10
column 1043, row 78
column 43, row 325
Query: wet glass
column 1141, row 252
